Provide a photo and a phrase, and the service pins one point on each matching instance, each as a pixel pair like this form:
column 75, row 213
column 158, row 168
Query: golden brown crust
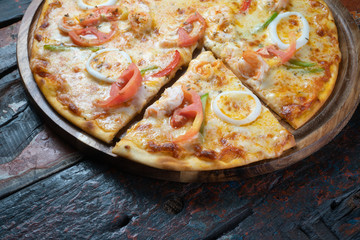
column 162, row 160
column 88, row 126
column 331, row 70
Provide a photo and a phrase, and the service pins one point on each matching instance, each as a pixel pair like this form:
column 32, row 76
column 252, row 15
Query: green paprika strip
column 143, row 71
column 67, row 48
column 203, row 99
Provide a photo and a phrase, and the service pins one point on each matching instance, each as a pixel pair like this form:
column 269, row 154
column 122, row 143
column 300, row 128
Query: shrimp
column 277, row 6
column 252, row 66
column 173, row 97
column 140, row 20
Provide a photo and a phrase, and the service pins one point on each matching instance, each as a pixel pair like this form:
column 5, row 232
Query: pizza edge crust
column 323, row 97
column 130, row 150
column 88, row 126
column 328, row 86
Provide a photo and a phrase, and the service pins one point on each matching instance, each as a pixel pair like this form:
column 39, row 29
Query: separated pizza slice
column 207, row 120
column 98, row 66
column 287, row 52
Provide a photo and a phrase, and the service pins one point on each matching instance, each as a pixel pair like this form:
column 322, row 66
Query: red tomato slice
column 101, row 37
column 166, row 71
column 289, row 53
column 245, row 5
column 124, row 89
column 185, row 39
column 181, row 116
column 104, row 13
column 285, row 56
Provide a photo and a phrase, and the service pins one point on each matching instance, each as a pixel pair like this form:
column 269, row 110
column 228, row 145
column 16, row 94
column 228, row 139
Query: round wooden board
column 320, row 130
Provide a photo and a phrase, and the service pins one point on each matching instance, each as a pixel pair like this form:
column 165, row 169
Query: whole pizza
column 247, row 65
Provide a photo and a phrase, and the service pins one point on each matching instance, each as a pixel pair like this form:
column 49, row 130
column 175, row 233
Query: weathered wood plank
column 31, row 165
column 18, row 122
column 18, row 133
column 100, row 202
column 12, row 11
column 9, row 34
column 90, row 193
column 317, row 198
column 7, row 58
column 296, row 202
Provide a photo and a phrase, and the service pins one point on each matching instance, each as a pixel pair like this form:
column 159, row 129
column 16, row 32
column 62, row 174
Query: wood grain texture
column 28, row 152
column 9, row 34
column 310, row 138
column 44, row 155
column 18, row 122
column 7, row 57
column 12, row 11
column 315, row 199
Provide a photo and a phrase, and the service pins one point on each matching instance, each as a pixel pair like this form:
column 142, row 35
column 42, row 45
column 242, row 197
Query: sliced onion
column 250, row 118
column 98, row 75
column 301, row 41
column 85, row 6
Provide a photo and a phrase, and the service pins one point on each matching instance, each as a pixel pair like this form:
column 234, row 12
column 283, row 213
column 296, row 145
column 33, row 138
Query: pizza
column 287, row 52
column 77, row 56
column 198, row 124
column 100, row 63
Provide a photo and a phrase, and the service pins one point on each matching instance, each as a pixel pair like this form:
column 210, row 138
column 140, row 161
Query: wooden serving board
column 320, row 130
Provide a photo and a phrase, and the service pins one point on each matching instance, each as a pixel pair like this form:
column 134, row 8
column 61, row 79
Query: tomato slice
column 166, row 71
column 96, row 15
column 101, row 37
column 289, row 53
column 182, row 115
column 245, row 5
column 124, row 89
column 285, row 56
column 185, row 39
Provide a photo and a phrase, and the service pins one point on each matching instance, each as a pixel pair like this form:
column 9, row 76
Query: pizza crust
column 129, row 150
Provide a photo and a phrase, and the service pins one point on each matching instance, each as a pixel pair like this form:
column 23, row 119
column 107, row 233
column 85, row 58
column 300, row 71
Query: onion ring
column 301, row 41
column 98, row 75
column 85, row 6
column 250, row 118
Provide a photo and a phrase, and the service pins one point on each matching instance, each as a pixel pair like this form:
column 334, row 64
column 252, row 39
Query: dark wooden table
column 49, row 190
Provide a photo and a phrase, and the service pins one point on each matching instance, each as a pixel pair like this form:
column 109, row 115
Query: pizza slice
column 207, row 120
column 286, row 52
column 98, row 66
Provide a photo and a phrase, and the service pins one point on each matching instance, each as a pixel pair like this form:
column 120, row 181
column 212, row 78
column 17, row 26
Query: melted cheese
column 290, row 86
column 137, row 34
column 263, row 138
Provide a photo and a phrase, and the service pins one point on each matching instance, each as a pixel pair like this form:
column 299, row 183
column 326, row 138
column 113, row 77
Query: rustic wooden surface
column 321, row 129
column 50, row 191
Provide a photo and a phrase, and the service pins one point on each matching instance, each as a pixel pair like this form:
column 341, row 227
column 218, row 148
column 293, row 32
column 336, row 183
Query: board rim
column 93, row 147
